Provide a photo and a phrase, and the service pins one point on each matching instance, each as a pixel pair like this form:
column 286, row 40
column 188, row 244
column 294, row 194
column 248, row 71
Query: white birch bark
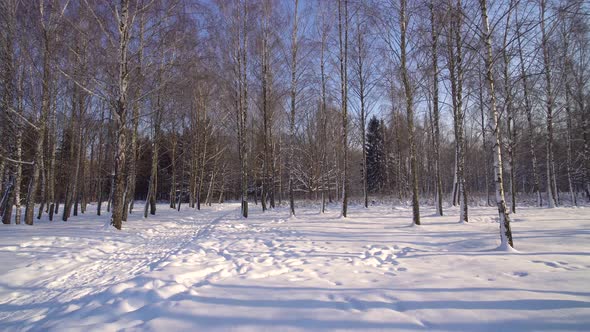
column 504, row 219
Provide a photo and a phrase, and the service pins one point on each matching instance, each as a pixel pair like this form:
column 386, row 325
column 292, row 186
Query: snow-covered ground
column 210, row 270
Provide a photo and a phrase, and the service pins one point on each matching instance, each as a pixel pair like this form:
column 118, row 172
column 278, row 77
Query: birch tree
column 529, row 114
column 435, row 109
column 291, row 161
column 551, row 190
column 48, row 17
column 456, row 72
column 323, row 27
column 124, row 22
column 504, row 218
column 11, row 123
column 509, row 109
column 409, row 103
column 343, row 58
column 241, row 72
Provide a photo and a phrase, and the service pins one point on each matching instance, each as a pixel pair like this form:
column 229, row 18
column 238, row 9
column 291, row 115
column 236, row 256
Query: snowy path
column 211, row 270
column 61, row 265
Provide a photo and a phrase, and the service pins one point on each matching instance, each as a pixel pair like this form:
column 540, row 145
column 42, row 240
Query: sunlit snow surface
column 210, row 270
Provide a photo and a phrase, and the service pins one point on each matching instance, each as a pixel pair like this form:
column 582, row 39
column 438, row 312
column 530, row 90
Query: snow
column 211, row 270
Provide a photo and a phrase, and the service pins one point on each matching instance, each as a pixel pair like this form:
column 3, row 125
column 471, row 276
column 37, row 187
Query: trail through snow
column 211, row 270
column 68, row 261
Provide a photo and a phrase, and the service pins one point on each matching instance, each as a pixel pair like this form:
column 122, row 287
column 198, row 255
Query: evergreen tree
column 375, row 156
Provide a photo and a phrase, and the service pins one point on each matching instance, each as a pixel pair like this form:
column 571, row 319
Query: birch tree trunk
column 153, row 184
column 464, row 217
column 454, row 98
column 580, row 81
column 509, row 111
column 242, row 110
column 291, row 160
column 567, row 66
column 409, row 111
column 78, row 158
column 551, row 190
column 47, row 37
column 8, row 198
column 181, row 185
column 360, row 64
column 43, row 185
column 484, row 141
column 399, row 156
column 205, row 141
column 194, row 157
column 173, row 149
column 280, row 169
column 100, row 165
column 586, row 137
column 344, row 99
column 265, row 107
column 71, row 158
column 84, row 183
column 2, row 168
column 51, row 172
column 18, row 150
column 157, row 122
column 272, row 156
column 120, row 117
column 529, row 115
column 456, row 77
column 569, row 163
column 324, row 115
column 505, row 230
column 2, row 171
column 132, row 177
column 436, row 115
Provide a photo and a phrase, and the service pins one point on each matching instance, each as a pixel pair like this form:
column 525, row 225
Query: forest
column 294, row 165
column 446, row 103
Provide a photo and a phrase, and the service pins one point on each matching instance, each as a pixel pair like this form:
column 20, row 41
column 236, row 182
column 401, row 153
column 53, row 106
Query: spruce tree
column 375, row 156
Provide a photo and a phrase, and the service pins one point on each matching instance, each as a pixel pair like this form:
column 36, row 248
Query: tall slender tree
column 120, row 114
column 551, row 190
column 48, row 17
column 294, row 48
column 529, row 114
column 509, row 110
column 343, row 58
column 435, row 109
column 505, row 229
column 409, row 99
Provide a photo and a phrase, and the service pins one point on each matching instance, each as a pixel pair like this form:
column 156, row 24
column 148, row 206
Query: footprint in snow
column 383, row 257
column 558, row 265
